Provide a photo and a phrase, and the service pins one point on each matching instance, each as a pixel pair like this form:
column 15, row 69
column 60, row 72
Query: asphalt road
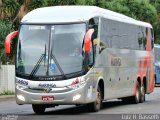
column 114, row 109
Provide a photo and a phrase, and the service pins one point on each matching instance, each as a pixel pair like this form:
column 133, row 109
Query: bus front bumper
column 80, row 95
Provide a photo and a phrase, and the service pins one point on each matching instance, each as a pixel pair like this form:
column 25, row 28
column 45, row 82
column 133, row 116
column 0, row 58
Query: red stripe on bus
column 145, row 63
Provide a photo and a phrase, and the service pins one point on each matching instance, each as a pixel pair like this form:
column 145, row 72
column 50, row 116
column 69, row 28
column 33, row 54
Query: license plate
column 47, row 98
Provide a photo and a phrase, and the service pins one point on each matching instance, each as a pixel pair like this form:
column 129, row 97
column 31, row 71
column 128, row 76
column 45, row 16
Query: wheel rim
column 142, row 92
column 137, row 94
column 98, row 100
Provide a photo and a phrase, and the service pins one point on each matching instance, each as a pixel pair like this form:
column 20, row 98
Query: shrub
column 5, row 28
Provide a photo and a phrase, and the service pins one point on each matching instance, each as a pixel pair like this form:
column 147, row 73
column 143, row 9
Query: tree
column 21, row 12
column 52, row 2
column 85, row 2
column 156, row 25
column 118, row 6
column 33, row 4
column 9, row 8
column 5, row 28
column 138, row 9
column 143, row 10
column 0, row 8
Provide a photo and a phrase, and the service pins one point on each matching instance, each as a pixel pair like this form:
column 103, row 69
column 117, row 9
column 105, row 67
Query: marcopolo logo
column 47, row 85
column 116, row 61
column 22, row 82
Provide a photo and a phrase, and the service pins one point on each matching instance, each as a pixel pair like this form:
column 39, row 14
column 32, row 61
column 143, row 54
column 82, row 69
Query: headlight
column 76, row 97
column 21, row 97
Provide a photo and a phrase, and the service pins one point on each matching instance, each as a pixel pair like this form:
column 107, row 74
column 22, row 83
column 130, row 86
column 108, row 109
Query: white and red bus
column 81, row 55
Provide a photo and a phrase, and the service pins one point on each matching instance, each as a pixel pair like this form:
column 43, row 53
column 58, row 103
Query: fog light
column 76, row 97
column 21, row 97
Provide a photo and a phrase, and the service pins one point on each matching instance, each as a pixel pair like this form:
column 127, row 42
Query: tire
column 142, row 94
column 155, row 81
column 38, row 109
column 136, row 99
column 96, row 106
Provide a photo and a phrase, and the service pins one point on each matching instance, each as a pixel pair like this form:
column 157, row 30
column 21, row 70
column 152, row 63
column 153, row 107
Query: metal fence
column 7, row 78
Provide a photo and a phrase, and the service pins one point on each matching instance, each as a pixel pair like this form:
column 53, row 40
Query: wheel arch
column 100, row 83
column 138, row 80
column 145, row 83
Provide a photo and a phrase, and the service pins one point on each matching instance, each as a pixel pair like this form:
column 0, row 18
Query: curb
column 7, row 96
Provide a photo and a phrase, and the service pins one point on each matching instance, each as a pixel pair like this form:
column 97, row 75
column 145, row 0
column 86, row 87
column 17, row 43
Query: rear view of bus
column 157, row 63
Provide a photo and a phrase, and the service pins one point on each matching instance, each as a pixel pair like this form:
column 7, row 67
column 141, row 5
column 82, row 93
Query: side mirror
column 7, row 41
column 87, row 40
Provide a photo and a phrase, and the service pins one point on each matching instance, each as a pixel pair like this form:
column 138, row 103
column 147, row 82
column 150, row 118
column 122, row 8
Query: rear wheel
column 38, row 109
column 136, row 99
column 142, row 94
column 96, row 106
column 155, row 81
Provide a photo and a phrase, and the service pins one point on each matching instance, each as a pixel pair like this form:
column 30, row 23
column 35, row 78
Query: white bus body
column 82, row 55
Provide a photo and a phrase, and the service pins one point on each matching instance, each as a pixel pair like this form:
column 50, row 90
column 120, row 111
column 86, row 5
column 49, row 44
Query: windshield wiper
column 36, row 67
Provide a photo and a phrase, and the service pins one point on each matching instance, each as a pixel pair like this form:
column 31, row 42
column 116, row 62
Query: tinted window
column 105, row 33
column 121, row 35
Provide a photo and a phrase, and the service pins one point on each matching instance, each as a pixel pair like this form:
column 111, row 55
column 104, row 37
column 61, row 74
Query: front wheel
column 38, row 109
column 96, row 106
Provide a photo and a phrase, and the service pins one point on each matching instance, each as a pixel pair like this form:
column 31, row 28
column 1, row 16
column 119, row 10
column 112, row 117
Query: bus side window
column 144, row 38
column 140, row 37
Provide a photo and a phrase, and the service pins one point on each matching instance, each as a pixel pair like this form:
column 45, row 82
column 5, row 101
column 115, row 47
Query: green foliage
column 156, row 25
column 117, row 6
column 145, row 11
column 7, row 93
column 10, row 8
column 66, row 2
column 5, row 28
column 138, row 9
column 33, row 4
column 85, row 2
column 52, row 2
column 156, row 4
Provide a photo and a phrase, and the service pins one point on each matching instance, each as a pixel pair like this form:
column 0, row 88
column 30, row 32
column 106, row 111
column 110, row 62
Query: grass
column 7, row 93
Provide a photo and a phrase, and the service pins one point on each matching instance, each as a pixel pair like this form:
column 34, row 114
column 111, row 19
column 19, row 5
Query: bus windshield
column 48, row 50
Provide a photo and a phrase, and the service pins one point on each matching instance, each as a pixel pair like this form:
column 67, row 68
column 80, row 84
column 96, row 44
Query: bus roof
column 69, row 14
